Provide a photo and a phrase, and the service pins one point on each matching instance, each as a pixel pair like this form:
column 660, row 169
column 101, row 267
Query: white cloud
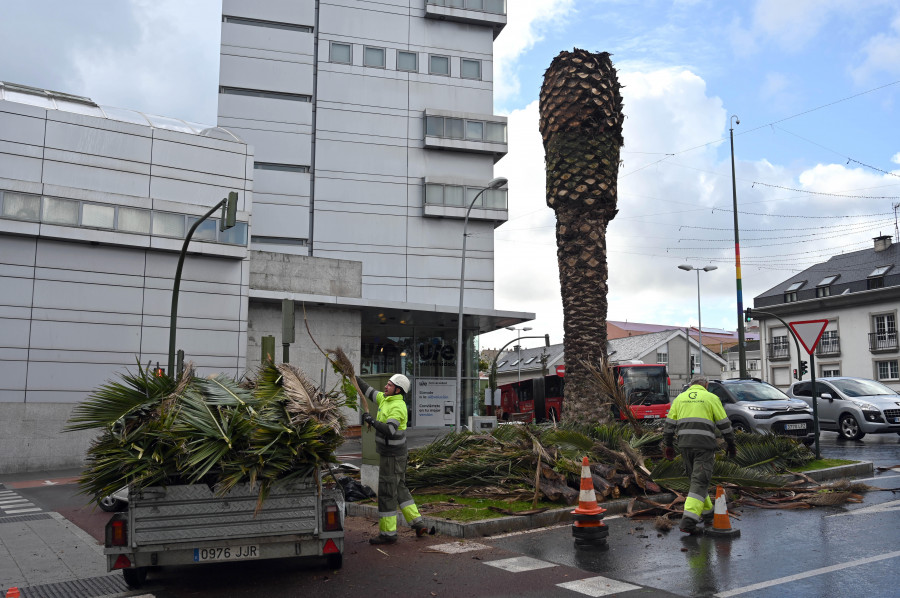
column 527, row 20
column 882, row 55
column 792, row 24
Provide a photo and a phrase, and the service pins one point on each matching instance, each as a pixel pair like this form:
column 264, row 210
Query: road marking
column 520, row 564
column 11, row 501
column 813, row 573
column 20, row 511
column 891, row 505
column 598, row 586
column 458, row 547
column 883, row 477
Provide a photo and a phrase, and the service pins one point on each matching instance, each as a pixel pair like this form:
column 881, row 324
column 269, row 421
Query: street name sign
column 809, row 332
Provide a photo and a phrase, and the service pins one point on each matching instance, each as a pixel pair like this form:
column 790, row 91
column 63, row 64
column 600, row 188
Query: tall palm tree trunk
column 581, row 125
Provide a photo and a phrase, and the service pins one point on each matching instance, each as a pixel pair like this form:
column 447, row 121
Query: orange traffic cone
column 588, row 529
column 721, row 526
column 13, row 592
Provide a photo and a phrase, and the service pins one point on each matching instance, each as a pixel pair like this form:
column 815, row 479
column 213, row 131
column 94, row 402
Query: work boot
column 422, row 529
column 382, row 539
column 689, row 526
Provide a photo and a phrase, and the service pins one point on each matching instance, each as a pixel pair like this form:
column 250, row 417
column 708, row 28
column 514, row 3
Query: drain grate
column 90, row 587
column 20, row 518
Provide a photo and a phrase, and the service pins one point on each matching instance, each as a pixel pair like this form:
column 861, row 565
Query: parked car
column 852, row 407
column 754, row 406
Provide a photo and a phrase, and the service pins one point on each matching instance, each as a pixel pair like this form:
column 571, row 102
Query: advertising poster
column 435, row 402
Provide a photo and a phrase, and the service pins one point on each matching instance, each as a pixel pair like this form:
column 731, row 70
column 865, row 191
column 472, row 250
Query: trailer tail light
column 122, row 562
column 117, row 532
column 332, row 519
column 330, row 547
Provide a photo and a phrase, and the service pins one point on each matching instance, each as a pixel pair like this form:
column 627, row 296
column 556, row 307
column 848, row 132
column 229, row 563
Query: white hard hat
column 401, row 381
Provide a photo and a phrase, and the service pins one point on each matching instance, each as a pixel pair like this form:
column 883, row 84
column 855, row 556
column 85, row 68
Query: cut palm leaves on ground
column 154, row 431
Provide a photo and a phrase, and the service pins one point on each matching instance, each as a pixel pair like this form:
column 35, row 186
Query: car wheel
column 848, row 428
column 741, row 426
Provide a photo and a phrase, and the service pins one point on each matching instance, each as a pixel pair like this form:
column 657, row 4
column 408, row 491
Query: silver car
column 756, row 406
column 852, row 407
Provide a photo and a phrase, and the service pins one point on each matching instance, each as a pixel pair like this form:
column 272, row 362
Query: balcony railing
column 778, row 352
column 828, row 346
column 882, row 341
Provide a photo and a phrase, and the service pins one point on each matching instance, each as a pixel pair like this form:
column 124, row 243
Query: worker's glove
column 669, row 453
column 368, row 419
column 731, row 450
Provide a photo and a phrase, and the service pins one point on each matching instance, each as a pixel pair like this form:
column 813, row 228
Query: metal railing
column 882, row 341
column 778, row 351
column 828, row 346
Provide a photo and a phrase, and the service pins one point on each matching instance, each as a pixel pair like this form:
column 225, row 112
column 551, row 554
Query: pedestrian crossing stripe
column 13, row 504
column 597, row 586
column 519, row 564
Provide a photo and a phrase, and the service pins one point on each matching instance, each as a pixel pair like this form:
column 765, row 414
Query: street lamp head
column 710, row 268
column 510, row 327
column 685, row 267
column 526, row 328
column 497, row 183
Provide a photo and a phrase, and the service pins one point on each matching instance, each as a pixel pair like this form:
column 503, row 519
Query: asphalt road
column 823, row 552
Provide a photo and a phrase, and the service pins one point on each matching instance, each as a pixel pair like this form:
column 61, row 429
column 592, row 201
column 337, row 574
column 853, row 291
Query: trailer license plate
column 794, row 426
column 651, row 416
column 226, row 553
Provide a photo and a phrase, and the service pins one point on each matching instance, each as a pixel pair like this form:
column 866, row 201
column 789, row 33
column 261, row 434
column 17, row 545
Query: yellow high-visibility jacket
column 694, row 417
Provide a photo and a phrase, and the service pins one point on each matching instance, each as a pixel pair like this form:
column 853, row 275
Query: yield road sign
column 809, row 332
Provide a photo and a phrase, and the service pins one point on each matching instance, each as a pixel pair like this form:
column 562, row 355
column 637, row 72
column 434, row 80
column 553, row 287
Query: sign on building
column 435, row 402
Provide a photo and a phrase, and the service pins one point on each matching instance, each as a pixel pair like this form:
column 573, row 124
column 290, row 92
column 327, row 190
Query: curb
column 502, row 525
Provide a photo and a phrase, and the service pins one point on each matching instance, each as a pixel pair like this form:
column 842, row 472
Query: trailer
column 191, row 524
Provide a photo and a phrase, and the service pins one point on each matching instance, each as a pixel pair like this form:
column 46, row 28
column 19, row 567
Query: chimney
column 882, row 242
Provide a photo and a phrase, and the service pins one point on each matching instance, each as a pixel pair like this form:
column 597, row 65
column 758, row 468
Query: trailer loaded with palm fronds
column 215, row 470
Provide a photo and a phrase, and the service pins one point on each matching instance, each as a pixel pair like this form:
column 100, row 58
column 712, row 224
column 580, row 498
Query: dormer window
column 795, row 286
column 823, row 289
column 875, row 280
column 530, row 360
column 790, row 297
column 501, row 364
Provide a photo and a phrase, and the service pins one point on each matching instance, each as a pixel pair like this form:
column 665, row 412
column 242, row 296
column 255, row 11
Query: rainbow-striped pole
column 742, row 353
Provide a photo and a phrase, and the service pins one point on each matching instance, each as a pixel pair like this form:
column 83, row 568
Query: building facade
column 373, row 130
column 858, row 294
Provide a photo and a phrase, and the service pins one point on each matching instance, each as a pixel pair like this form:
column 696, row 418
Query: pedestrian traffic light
column 803, row 369
column 796, row 377
column 748, row 314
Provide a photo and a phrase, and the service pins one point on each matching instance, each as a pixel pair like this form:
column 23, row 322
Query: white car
column 852, row 407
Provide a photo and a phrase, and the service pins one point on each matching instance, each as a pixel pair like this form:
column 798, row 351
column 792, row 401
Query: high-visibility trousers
column 698, row 464
column 393, row 495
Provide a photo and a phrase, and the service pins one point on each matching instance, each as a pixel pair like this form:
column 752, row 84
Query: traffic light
column 803, row 369
column 229, row 211
column 748, row 314
column 796, row 377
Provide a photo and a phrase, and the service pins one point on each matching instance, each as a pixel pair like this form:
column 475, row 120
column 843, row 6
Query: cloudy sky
column 815, row 83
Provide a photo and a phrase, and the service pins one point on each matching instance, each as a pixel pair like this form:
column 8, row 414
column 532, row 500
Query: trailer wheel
column 136, row 577
column 335, row 561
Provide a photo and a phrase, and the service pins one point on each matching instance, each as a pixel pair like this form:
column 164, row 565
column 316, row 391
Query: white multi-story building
column 373, row 130
column 356, row 134
column 858, row 293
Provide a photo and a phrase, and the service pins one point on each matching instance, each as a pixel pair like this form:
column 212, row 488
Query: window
column 880, row 271
column 694, row 363
column 271, row 24
column 829, row 343
column 21, row 206
column 458, row 195
column 434, row 194
column 206, row 231
column 262, row 93
column 529, row 360
column 453, row 195
column 501, row 364
column 474, row 130
column 98, row 216
column 373, row 57
column 752, row 364
column 888, row 370
column 885, row 327
column 439, row 65
column 662, row 357
column 828, row 280
column 823, row 291
column 341, row 53
column 60, row 211
column 470, row 69
column 132, row 220
column 795, row 286
column 830, row 371
column 281, row 167
column 453, row 128
column 516, row 362
column 407, row 61
column 168, row 225
column 434, row 126
column 790, row 297
column 875, row 280
column 495, row 132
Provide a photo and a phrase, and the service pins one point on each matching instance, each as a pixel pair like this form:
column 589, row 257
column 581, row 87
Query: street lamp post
column 519, row 332
column 460, row 353
column 742, row 352
column 688, row 268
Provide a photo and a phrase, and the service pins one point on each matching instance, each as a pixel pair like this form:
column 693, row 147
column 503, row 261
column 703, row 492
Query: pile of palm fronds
column 156, row 430
column 546, row 460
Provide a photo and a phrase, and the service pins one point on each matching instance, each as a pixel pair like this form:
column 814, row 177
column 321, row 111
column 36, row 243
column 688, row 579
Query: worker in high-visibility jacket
column 390, row 443
column 695, row 416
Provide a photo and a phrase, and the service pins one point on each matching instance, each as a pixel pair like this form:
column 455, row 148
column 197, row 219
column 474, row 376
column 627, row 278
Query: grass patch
column 823, row 464
column 465, row 509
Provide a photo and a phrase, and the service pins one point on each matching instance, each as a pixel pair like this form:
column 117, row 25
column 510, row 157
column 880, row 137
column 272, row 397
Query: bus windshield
column 645, row 385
